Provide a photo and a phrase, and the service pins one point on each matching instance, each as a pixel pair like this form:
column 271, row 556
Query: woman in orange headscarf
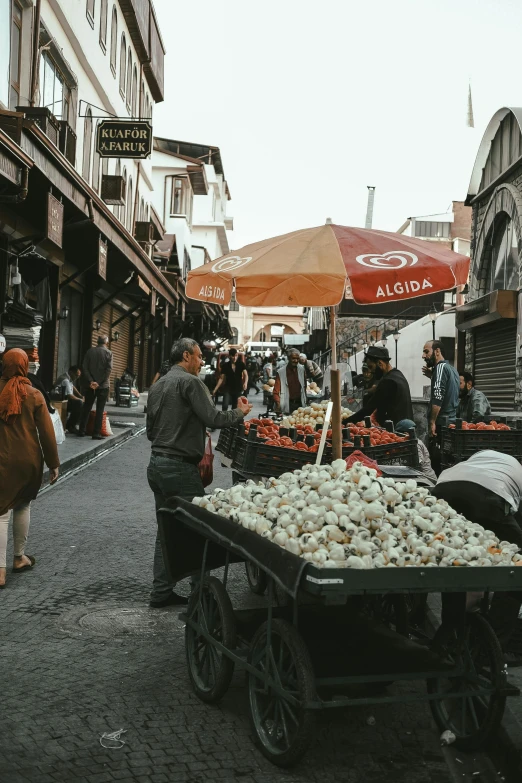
column 26, row 439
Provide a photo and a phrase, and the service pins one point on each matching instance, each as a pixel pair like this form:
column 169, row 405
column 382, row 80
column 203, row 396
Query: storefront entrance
column 495, row 363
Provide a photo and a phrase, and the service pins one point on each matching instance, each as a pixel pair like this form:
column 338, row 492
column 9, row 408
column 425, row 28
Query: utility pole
column 369, row 208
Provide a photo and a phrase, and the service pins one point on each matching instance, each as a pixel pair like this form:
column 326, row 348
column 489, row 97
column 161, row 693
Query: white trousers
column 21, row 519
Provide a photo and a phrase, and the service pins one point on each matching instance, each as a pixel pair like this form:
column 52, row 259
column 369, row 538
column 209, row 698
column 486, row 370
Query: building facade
column 191, row 196
column 489, row 321
column 77, row 230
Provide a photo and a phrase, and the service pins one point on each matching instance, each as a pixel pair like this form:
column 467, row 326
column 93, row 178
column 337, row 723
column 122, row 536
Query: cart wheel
column 257, row 579
column 209, row 669
column 282, row 731
column 476, row 650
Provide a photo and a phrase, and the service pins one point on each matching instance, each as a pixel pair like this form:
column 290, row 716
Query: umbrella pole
column 335, row 392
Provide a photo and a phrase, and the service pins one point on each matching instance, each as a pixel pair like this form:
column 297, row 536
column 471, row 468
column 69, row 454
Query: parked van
column 262, row 348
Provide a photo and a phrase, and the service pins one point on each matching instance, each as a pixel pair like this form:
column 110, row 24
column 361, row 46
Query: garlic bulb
column 339, row 518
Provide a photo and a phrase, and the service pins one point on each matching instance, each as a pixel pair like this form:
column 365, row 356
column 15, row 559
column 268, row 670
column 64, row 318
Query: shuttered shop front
column 495, row 363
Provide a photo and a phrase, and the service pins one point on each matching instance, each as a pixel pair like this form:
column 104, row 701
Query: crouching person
column 487, row 489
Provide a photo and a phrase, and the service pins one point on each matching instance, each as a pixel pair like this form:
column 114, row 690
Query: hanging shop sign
column 124, row 139
column 153, row 302
column 54, row 220
column 2, row 343
column 103, row 250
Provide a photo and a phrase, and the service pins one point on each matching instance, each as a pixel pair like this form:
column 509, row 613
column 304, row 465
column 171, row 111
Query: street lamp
column 433, row 317
column 396, row 336
column 115, row 336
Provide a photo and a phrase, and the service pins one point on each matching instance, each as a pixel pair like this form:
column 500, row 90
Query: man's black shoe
column 73, row 430
column 173, row 600
column 98, row 437
column 81, row 434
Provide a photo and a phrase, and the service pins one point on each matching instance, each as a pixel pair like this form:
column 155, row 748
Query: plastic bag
column 58, row 427
column 358, row 456
column 105, row 427
column 206, row 466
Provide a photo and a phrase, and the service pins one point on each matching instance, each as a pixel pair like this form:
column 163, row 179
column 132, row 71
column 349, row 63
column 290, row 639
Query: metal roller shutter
column 495, row 362
column 120, row 349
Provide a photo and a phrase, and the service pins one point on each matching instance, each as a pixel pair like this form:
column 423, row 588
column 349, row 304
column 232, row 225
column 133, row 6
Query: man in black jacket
column 392, row 399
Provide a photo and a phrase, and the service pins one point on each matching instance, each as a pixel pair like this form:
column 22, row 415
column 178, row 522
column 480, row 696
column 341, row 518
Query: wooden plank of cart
column 316, row 652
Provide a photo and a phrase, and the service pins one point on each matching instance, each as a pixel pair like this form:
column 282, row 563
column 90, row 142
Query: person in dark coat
column 392, row 399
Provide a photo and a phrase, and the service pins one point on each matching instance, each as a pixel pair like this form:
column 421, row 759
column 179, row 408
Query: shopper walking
column 474, row 405
column 444, row 399
column 312, row 370
column 234, row 377
column 178, row 411
column 26, row 440
column 97, row 368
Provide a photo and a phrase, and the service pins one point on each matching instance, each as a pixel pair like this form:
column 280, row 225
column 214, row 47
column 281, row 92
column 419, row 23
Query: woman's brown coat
column 22, row 442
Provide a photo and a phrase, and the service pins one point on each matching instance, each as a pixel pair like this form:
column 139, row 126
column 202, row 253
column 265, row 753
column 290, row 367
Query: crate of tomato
column 265, row 449
column 382, row 444
column 462, row 439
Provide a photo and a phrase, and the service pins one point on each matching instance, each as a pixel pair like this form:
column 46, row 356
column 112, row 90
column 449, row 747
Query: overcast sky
column 310, row 102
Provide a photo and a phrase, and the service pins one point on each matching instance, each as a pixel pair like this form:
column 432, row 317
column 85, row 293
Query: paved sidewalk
column 82, row 655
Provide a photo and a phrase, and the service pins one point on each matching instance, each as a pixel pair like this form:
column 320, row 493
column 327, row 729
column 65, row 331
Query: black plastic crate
column 457, row 444
column 253, row 456
column 226, row 440
column 405, row 453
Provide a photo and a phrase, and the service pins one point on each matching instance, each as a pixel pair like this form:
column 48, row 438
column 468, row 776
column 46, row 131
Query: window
column 121, row 209
column 16, row 38
column 181, row 203
column 432, row 229
column 134, row 91
column 90, row 12
column 502, row 271
column 87, row 145
column 54, row 93
column 235, row 336
column 96, row 171
column 114, row 39
column 128, row 202
column 129, row 80
column 262, row 337
column 103, row 25
column 234, row 307
column 123, row 63
column 142, row 100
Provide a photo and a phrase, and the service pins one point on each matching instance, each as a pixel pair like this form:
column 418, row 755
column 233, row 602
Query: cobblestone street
column 82, row 655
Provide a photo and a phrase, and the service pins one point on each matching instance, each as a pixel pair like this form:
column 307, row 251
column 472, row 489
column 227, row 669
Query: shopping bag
column 58, row 427
column 206, row 466
column 105, row 428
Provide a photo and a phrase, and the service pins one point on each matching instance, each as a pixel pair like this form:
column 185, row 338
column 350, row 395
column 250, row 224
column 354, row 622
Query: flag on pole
column 471, row 121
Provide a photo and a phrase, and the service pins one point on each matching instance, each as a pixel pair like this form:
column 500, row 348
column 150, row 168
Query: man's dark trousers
column 74, row 409
column 101, row 396
column 488, row 509
column 169, row 477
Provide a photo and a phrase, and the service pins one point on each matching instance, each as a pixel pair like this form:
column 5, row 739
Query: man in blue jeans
column 179, row 409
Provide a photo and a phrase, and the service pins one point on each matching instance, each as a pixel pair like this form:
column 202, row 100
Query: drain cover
column 117, row 622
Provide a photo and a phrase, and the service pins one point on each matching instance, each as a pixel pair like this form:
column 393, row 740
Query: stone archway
column 505, row 202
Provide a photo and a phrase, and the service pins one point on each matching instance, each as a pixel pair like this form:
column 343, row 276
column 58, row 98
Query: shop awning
column 62, row 175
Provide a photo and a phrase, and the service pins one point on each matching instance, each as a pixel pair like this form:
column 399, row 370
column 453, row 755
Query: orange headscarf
column 16, row 365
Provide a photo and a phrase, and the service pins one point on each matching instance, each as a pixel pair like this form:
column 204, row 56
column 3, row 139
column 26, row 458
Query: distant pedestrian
column 234, row 378
column 179, row 410
column 27, row 439
column 473, row 405
column 65, row 388
column 290, row 386
column 444, row 399
column 97, row 368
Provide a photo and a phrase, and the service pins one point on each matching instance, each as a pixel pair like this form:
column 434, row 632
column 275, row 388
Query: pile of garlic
column 312, row 414
column 339, row 518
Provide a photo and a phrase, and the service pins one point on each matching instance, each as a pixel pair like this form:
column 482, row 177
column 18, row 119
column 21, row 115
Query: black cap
column 375, row 352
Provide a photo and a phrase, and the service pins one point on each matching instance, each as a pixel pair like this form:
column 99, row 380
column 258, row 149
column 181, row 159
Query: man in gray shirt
column 96, row 368
column 179, row 409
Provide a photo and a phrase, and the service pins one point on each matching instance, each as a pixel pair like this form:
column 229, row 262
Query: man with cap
column 312, row 370
column 392, row 399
